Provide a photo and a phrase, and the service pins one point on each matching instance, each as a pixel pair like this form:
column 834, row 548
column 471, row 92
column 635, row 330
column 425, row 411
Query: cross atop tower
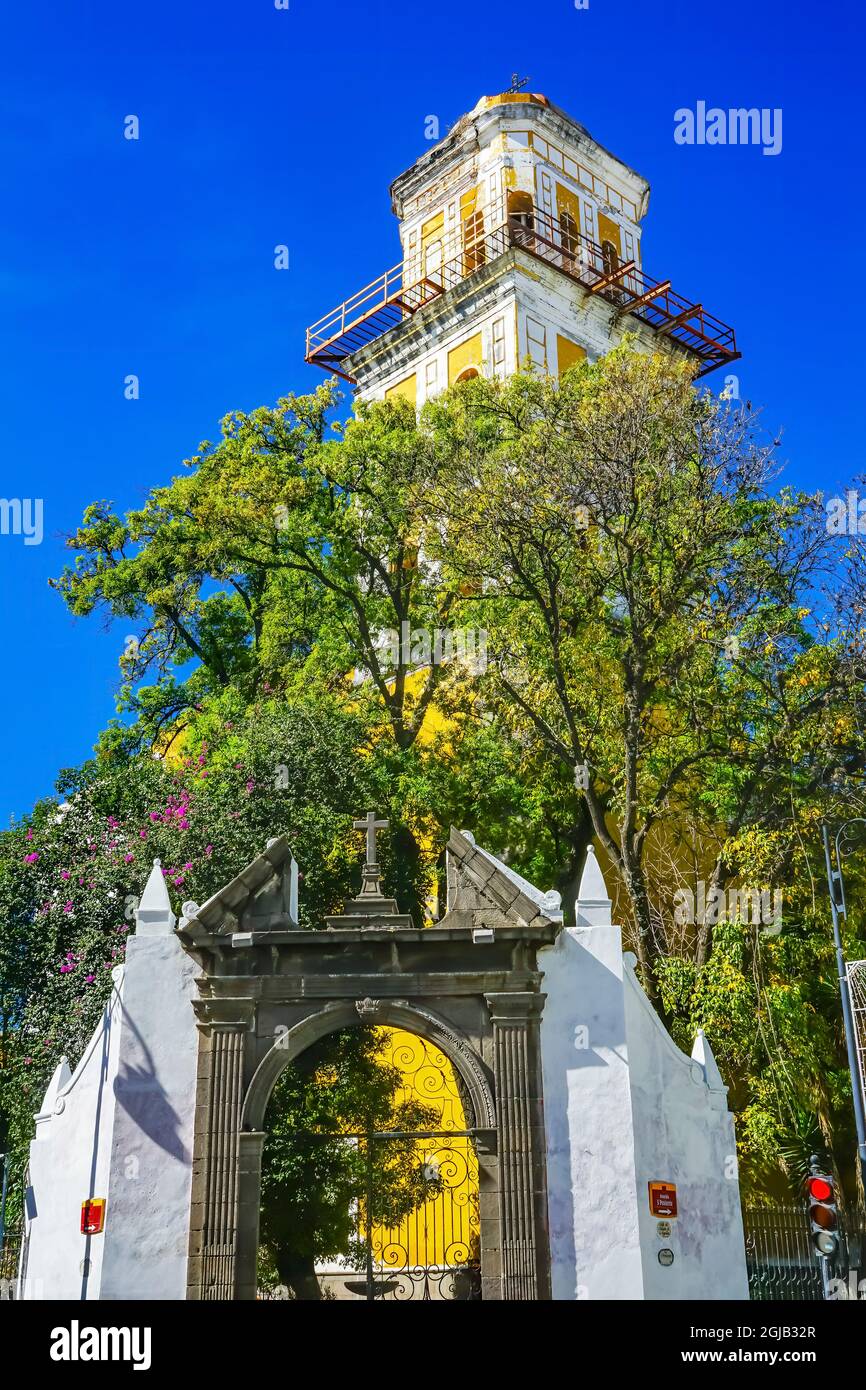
column 517, row 83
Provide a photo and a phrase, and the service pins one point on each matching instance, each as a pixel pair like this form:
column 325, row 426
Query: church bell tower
column 521, row 239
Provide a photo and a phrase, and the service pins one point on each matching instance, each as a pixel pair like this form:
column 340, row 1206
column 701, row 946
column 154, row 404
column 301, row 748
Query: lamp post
column 838, row 907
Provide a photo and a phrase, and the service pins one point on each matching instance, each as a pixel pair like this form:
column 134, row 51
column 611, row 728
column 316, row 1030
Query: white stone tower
column 521, row 240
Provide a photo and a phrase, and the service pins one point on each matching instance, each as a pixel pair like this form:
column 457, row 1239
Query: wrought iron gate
column 433, row 1252
column 411, row 1195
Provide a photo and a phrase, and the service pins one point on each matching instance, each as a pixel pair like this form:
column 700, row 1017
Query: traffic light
column 823, row 1217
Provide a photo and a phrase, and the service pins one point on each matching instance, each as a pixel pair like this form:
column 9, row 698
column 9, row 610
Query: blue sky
column 262, row 126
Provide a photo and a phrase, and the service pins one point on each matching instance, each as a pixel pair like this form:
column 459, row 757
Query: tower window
column 521, row 219
column 568, row 232
column 474, row 249
column 609, row 257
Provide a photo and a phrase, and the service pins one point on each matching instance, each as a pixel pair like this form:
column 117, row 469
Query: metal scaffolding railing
column 441, row 264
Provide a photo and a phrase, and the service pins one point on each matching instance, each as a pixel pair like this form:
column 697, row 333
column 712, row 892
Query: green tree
column 655, row 609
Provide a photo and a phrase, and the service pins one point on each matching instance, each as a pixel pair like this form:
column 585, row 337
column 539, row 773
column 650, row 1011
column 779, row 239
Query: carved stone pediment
column 263, row 897
column 479, row 884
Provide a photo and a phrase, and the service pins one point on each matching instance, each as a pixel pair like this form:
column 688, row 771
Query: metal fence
column 10, row 1251
column 11, row 1230
column 780, row 1257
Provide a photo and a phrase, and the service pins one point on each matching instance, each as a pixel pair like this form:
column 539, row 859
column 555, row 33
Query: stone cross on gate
column 371, row 908
column 371, row 825
column 370, row 873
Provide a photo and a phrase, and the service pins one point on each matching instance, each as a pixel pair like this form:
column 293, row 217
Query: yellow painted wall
column 468, row 203
column 609, row 231
column 567, row 353
column 566, row 201
column 465, row 355
column 407, row 389
column 430, row 232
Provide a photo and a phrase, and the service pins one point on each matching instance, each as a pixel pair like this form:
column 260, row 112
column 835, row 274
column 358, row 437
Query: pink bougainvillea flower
column 88, row 979
column 67, row 907
column 30, row 858
column 128, row 858
column 29, row 835
column 65, row 969
column 65, row 874
column 142, row 834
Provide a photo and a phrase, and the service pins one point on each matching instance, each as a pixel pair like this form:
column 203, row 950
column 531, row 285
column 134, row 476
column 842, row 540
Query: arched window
column 474, row 249
column 568, row 232
column 520, row 217
column 468, row 373
column 610, row 257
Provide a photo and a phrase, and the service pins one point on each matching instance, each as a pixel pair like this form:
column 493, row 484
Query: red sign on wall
column 93, row 1216
column 663, row 1198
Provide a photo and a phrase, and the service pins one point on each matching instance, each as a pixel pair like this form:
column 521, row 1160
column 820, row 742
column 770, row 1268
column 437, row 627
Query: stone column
column 522, row 1188
column 251, row 1143
column 214, row 1216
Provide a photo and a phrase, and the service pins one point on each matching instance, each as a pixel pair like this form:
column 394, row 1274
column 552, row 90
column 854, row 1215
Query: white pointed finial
column 702, row 1053
column 153, row 916
column 593, row 906
column 52, row 1104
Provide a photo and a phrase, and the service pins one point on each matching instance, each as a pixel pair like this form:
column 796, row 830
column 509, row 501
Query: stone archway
column 476, row 1100
column 394, row 1013
column 268, row 991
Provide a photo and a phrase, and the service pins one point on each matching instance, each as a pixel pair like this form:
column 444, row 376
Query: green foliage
column 71, row 875
column 656, row 608
column 315, row 1187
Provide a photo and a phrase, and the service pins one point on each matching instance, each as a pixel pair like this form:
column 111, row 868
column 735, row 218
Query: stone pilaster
column 250, row 1146
column 214, row 1215
column 522, row 1189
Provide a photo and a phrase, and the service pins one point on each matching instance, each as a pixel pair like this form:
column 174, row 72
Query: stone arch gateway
column 268, row 990
column 577, row 1103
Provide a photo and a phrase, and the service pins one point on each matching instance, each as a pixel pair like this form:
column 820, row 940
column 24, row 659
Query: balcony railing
column 402, row 291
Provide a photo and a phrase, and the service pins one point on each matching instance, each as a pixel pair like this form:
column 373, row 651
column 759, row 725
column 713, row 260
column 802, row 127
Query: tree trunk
column 568, row 883
column 298, row 1272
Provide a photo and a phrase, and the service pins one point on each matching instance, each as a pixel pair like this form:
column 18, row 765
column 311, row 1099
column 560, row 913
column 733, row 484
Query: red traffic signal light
column 823, row 1217
column 821, row 1189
